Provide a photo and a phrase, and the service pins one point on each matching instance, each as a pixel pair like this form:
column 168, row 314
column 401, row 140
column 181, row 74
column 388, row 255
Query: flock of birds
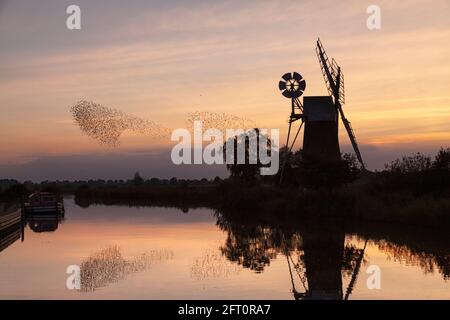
column 220, row 121
column 107, row 125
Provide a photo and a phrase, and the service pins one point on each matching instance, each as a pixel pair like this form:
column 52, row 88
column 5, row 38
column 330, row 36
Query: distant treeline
column 70, row 187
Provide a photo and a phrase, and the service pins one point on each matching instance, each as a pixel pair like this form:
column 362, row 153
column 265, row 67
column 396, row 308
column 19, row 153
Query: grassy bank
column 350, row 203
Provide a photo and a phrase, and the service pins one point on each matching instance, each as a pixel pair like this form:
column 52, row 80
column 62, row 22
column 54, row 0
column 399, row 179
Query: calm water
column 164, row 253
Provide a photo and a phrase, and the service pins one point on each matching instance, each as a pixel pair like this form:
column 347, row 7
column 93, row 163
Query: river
column 164, row 253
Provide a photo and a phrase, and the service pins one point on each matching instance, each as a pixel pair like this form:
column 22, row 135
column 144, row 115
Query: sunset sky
column 160, row 60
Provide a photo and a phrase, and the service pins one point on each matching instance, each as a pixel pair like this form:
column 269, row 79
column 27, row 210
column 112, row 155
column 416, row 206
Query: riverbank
column 350, row 203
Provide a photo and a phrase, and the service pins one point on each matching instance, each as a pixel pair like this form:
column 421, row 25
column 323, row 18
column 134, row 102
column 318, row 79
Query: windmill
column 318, row 114
column 334, row 80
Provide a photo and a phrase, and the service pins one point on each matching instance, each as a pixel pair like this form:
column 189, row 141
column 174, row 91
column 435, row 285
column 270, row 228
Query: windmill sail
column 351, row 135
column 334, row 80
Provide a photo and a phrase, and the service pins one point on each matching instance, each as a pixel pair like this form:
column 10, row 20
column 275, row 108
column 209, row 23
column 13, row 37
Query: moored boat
column 44, row 202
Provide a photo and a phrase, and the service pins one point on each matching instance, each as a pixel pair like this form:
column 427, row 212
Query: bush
column 418, row 174
column 417, row 162
column 330, row 175
column 14, row 193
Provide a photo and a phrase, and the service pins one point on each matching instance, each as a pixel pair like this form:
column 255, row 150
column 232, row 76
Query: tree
column 354, row 166
column 442, row 160
column 138, row 180
column 246, row 172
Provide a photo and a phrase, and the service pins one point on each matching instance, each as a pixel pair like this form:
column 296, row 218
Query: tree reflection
column 252, row 247
column 429, row 263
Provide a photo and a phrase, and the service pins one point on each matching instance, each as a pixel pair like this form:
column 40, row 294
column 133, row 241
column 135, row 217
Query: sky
column 160, row 60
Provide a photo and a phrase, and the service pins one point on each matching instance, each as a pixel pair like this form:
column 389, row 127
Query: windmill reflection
column 317, row 258
column 322, row 259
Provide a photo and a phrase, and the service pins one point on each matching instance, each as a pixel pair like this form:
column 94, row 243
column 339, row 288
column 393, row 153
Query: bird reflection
column 108, row 265
column 212, row 265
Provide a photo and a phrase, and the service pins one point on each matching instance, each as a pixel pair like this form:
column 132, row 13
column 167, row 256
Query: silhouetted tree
column 138, row 180
column 246, row 172
column 442, row 160
column 354, row 165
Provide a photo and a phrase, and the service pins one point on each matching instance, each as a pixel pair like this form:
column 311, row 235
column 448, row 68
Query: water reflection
column 213, row 255
column 319, row 255
column 43, row 222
